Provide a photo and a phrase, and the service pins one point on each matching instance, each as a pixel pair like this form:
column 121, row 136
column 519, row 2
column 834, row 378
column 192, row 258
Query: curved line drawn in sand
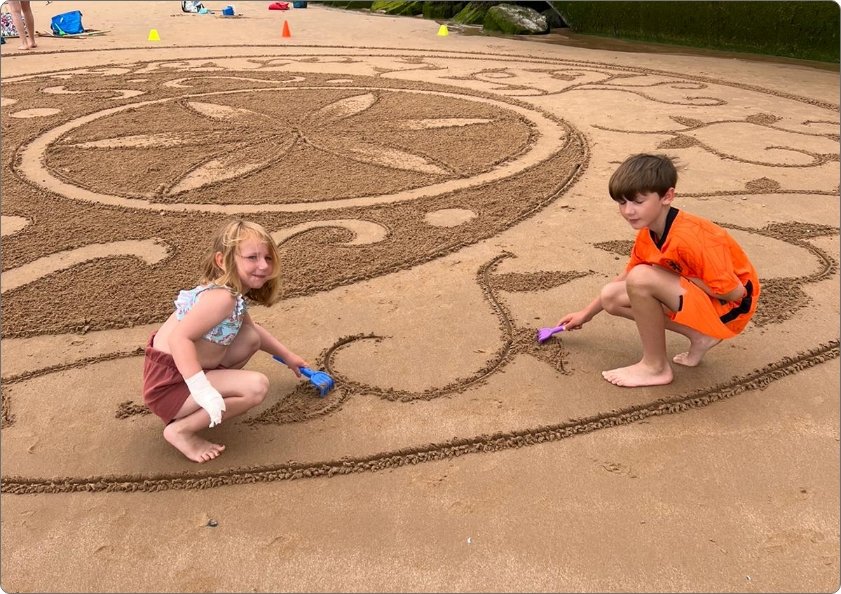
column 121, row 93
column 36, row 112
column 364, row 232
column 756, row 380
column 150, row 251
column 682, row 139
column 178, row 83
column 515, row 340
column 557, row 81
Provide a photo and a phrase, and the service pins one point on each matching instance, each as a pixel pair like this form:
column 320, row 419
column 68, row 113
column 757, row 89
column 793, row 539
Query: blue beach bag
column 67, row 23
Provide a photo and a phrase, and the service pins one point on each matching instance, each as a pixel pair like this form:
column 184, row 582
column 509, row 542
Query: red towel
column 279, row 6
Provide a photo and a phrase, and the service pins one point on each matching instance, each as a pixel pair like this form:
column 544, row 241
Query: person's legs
column 29, row 18
column 182, row 433
column 17, row 18
column 615, row 301
column 649, row 290
column 241, row 390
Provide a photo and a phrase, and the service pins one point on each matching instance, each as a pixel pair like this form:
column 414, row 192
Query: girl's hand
column 294, row 362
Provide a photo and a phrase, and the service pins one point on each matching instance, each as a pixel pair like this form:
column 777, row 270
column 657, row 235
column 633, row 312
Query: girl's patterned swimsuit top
column 227, row 330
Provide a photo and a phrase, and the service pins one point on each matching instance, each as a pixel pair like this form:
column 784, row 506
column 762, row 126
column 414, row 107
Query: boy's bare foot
column 697, row 349
column 638, row 375
column 191, row 445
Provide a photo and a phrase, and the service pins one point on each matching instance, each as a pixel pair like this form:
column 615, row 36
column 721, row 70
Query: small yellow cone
column 153, row 35
column 442, row 31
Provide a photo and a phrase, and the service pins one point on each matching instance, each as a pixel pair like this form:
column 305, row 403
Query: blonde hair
column 226, row 240
column 640, row 174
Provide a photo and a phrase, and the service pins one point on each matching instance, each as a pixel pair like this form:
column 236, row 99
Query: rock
column 515, row 20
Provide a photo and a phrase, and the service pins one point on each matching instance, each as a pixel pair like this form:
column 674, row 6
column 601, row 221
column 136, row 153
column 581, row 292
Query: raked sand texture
column 436, row 200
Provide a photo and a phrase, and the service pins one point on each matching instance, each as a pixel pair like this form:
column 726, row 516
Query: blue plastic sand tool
column 322, row 381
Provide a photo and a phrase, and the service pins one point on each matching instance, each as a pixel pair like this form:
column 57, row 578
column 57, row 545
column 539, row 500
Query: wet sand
column 436, row 199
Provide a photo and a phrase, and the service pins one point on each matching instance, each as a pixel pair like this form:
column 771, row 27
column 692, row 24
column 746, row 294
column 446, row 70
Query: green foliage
column 350, row 4
column 398, row 7
column 441, row 10
column 473, row 13
column 799, row 29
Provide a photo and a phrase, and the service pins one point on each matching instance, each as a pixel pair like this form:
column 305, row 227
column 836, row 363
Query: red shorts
column 164, row 389
column 712, row 317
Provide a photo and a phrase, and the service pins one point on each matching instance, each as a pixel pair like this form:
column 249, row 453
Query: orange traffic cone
column 286, row 32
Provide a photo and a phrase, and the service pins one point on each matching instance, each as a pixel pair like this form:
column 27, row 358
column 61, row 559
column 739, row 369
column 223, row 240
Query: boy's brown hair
column 640, row 174
column 226, row 240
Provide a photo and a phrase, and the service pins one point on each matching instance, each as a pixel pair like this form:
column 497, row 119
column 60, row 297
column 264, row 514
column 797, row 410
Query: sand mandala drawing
column 360, row 165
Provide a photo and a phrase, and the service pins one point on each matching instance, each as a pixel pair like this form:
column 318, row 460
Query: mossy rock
column 397, row 7
column 473, row 13
column 441, row 10
column 515, row 20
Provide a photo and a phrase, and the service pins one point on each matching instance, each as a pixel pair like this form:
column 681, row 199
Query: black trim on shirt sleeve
column 742, row 308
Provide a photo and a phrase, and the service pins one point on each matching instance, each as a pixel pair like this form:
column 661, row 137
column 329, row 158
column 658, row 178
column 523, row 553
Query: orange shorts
column 711, row 316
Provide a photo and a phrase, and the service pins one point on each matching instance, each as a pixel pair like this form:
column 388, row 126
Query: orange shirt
column 694, row 247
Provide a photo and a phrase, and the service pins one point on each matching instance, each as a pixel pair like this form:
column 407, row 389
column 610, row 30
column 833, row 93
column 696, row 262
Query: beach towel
column 7, row 26
column 279, row 6
column 188, row 6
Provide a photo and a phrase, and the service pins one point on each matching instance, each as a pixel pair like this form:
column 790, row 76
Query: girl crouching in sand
column 209, row 338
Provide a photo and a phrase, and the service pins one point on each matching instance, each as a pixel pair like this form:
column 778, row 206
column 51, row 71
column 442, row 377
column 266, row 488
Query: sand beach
column 436, row 199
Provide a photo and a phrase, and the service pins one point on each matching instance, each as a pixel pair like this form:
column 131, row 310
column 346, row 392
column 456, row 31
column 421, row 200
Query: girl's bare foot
column 697, row 349
column 23, row 46
column 638, row 375
column 191, row 445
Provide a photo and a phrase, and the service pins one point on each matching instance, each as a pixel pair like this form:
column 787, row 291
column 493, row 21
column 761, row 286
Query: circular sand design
column 267, row 147
column 138, row 163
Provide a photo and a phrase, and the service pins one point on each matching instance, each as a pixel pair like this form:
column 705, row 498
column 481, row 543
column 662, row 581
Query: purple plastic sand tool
column 545, row 334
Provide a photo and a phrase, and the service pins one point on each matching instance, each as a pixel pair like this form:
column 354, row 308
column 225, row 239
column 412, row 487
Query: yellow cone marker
column 442, row 31
column 153, row 35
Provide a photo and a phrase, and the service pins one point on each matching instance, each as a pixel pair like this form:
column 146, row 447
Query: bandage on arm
column 206, row 396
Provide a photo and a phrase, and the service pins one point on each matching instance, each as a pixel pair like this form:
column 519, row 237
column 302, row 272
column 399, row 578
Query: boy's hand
column 573, row 321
